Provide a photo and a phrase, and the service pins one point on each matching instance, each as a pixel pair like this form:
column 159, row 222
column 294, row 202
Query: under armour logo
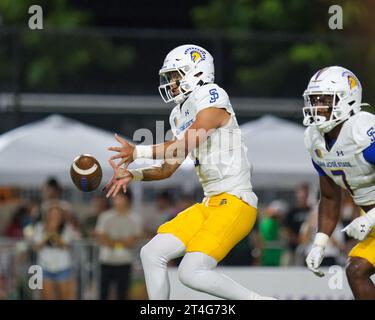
column 186, row 113
column 340, row 153
column 363, row 228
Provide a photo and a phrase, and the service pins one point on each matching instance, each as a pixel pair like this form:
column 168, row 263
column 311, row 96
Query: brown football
column 86, row 172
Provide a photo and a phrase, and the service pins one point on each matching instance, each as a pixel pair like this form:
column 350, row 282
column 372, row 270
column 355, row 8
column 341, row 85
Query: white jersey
column 345, row 163
column 221, row 162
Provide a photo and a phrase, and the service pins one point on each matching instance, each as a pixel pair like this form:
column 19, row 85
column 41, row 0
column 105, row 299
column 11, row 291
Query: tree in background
column 273, row 47
column 63, row 54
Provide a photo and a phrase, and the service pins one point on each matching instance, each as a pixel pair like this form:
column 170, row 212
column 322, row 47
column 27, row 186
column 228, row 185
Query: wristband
column 321, row 239
column 143, row 152
column 137, row 174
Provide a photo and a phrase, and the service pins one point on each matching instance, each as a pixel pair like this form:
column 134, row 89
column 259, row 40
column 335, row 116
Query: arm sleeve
column 369, row 154
column 212, row 95
column 363, row 130
column 318, row 169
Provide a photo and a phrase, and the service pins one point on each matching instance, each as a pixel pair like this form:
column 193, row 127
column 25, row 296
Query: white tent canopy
column 277, row 152
column 31, row 153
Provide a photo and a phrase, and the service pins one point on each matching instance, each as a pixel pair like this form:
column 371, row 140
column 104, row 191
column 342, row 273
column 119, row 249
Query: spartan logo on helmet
column 196, row 54
column 352, row 81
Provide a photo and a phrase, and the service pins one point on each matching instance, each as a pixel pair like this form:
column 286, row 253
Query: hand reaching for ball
column 125, row 152
column 121, row 178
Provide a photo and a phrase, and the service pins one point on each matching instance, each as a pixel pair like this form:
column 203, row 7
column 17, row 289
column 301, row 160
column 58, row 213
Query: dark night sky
column 140, row 14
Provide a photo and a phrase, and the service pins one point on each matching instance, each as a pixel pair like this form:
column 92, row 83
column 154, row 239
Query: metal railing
column 16, row 257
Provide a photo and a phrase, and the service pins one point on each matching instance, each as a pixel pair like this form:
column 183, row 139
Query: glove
column 360, row 227
column 316, row 255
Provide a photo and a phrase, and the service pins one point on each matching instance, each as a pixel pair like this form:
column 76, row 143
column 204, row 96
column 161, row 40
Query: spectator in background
column 269, row 230
column 52, row 239
column 294, row 219
column 52, row 196
column 241, row 254
column 20, row 219
column 100, row 204
column 165, row 211
column 118, row 230
column 185, row 201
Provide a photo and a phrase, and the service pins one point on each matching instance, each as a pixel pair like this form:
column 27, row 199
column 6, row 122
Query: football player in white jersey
column 340, row 139
column 204, row 126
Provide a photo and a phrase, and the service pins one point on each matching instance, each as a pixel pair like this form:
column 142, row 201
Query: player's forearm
column 328, row 216
column 176, row 149
column 153, row 173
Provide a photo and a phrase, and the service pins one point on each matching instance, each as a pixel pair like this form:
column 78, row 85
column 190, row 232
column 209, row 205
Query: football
column 86, row 173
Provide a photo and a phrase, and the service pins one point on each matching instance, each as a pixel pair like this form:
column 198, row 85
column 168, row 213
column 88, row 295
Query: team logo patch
column 196, row 54
column 319, row 153
column 352, row 80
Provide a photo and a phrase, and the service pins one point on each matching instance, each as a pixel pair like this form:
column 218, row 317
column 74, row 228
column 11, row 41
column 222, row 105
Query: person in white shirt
column 118, row 231
column 52, row 239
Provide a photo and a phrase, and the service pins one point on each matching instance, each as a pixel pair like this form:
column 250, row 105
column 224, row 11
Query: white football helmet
column 195, row 66
column 345, row 92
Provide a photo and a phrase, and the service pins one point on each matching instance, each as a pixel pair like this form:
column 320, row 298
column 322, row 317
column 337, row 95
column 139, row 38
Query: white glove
column 360, row 227
column 316, row 255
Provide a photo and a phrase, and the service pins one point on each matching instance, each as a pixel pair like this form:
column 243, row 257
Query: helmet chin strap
column 327, row 127
column 181, row 98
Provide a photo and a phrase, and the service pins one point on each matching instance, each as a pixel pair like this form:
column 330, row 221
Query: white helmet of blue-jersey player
column 193, row 66
column 338, row 90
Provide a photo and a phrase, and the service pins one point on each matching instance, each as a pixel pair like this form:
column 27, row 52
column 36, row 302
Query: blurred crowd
column 110, row 236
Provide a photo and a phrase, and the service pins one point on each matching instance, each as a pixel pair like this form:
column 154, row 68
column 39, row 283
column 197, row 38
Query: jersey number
column 214, row 95
column 343, row 176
